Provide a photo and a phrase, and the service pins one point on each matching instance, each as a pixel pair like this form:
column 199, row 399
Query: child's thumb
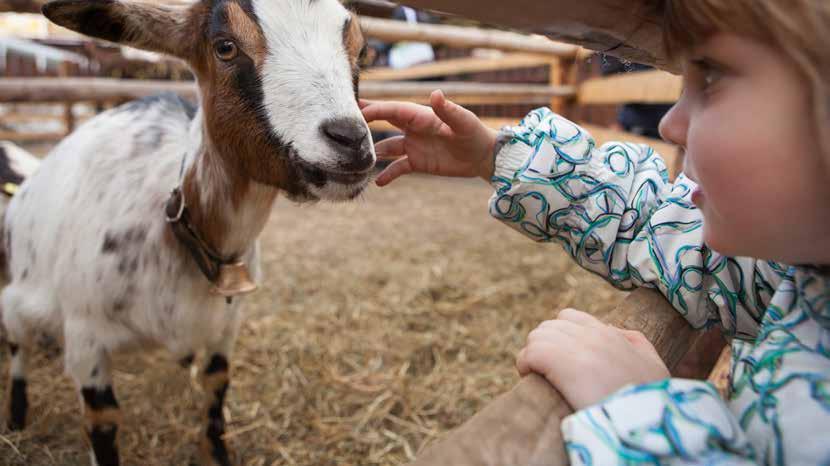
column 455, row 116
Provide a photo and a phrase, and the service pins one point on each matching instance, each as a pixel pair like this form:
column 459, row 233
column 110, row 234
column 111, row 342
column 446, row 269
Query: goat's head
column 278, row 81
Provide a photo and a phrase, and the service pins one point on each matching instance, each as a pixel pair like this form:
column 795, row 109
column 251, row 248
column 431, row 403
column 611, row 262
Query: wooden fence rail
column 40, row 90
column 457, row 66
column 645, row 87
column 464, row 37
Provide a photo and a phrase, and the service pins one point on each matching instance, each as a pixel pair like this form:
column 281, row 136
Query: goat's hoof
column 16, row 425
column 17, row 405
column 214, row 452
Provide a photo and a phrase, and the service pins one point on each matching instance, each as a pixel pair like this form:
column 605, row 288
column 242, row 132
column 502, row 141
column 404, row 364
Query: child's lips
column 697, row 196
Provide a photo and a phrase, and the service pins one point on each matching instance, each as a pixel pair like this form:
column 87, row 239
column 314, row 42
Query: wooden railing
column 522, row 51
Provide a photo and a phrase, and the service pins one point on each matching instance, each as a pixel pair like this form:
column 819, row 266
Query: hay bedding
column 381, row 324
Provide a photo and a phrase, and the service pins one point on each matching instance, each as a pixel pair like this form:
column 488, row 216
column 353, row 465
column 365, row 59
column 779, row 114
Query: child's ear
column 156, row 28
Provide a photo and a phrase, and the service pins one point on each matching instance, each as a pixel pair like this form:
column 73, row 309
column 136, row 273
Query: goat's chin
column 319, row 183
column 337, row 192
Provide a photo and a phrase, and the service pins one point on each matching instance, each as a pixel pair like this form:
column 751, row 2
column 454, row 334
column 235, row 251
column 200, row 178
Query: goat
column 16, row 164
column 103, row 255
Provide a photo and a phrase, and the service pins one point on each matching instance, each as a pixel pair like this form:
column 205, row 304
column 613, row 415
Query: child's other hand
column 446, row 140
column 587, row 360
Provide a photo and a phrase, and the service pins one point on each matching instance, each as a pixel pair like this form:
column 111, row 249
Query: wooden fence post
column 522, row 427
column 68, row 117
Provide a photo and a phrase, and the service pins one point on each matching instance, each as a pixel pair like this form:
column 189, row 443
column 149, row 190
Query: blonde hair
column 800, row 29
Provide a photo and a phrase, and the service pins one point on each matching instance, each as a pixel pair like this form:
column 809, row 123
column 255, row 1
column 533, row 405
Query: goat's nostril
column 345, row 132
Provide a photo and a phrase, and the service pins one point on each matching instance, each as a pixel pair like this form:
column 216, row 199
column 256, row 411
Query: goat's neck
column 227, row 208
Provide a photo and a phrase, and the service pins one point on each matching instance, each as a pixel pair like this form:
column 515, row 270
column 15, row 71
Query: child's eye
column 708, row 73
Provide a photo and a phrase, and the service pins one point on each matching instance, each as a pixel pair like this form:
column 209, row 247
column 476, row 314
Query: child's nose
column 675, row 124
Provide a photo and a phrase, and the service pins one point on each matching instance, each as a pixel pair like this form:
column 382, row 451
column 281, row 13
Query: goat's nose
column 345, row 133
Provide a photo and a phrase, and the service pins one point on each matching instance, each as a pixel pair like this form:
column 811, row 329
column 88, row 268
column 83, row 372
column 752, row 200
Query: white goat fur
column 94, row 185
column 90, row 255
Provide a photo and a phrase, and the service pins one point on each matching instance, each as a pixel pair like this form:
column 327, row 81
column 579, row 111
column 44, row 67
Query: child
column 753, row 120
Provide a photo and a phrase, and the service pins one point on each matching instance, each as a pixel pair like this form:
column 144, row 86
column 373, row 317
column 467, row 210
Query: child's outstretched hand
column 446, row 140
column 587, row 360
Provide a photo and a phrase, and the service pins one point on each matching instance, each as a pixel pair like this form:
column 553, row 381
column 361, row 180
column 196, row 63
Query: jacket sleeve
column 613, row 209
column 672, row 422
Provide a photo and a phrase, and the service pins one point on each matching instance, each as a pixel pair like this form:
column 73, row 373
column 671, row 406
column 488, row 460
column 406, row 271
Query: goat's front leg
column 215, row 381
column 19, row 341
column 89, row 365
column 17, row 403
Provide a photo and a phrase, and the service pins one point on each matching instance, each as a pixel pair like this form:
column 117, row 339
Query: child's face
column 746, row 122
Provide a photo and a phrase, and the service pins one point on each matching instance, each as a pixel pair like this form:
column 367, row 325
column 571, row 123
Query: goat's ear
column 153, row 27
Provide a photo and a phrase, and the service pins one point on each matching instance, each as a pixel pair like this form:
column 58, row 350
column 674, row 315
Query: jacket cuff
column 670, row 418
column 509, row 155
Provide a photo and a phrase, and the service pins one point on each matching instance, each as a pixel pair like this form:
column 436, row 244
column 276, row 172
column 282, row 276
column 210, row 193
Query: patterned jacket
column 615, row 212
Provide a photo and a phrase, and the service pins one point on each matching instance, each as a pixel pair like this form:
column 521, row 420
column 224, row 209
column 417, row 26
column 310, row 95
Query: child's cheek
column 714, row 163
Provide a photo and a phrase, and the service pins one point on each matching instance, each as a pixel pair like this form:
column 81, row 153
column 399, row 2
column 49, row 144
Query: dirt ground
column 380, row 325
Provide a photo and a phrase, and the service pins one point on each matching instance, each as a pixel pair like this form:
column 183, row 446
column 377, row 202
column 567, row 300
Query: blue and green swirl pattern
column 613, row 209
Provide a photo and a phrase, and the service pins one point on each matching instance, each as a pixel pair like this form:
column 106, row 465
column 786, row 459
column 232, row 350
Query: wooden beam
column 31, row 137
column 465, row 93
column 464, row 37
column 21, row 6
column 456, row 66
column 624, row 28
column 41, row 90
column 652, row 87
column 522, row 427
column 20, row 90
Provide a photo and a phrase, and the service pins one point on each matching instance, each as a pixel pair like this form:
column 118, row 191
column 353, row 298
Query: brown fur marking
column 103, row 417
column 248, row 34
column 354, row 40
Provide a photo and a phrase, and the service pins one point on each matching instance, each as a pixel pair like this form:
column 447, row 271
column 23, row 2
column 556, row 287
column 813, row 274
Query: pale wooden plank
column 655, row 87
column 17, row 90
column 456, row 66
column 463, row 37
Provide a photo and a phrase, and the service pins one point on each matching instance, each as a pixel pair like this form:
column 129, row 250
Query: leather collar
column 228, row 274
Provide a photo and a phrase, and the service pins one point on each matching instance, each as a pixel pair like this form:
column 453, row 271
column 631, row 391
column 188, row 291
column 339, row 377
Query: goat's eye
column 364, row 58
column 226, row 50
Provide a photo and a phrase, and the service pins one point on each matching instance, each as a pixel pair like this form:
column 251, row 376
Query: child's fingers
column 400, row 114
column 544, row 357
column 579, row 317
column 458, row 118
column 521, row 363
column 641, row 343
column 363, row 103
column 550, row 330
column 532, row 359
column 394, row 171
column 391, row 148
column 634, row 336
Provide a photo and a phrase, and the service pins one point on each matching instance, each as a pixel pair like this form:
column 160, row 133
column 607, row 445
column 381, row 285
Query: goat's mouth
column 324, row 183
column 319, row 177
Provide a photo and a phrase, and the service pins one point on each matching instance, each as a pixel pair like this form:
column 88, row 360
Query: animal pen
column 532, row 410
